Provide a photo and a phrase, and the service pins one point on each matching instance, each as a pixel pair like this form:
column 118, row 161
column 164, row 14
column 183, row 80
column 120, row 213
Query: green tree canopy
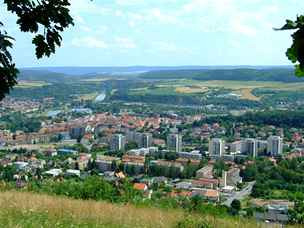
column 46, row 19
column 296, row 52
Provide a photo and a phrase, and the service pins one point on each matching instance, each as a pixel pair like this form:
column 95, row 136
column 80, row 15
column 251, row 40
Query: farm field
column 31, row 84
column 191, row 87
column 88, row 97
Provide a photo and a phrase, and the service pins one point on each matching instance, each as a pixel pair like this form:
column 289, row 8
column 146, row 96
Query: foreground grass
column 22, row 209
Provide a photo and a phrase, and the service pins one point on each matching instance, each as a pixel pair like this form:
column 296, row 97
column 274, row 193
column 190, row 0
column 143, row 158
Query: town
column 182, row 154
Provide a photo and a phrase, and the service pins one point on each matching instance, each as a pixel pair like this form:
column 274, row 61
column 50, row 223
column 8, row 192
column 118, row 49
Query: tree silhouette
column 47, row 19
column 296, row 52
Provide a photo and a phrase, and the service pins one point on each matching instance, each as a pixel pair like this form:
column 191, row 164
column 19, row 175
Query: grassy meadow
column 23, row 209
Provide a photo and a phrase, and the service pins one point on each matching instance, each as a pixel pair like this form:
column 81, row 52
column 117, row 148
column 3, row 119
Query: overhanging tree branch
column 296, row 52
column 51, row 17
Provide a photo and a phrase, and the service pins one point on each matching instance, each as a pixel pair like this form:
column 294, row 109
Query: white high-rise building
column 249, row 147
column 235, row 147
column 261, row 146
column 174, row 142
column 118, row 142
column 146, row 140
column 216, row 147
column 143, row 140
column 275, row 145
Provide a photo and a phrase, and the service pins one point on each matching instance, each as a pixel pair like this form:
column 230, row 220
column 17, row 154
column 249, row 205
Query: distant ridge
column 284, row 74
column 250, row 73
column 140, row 69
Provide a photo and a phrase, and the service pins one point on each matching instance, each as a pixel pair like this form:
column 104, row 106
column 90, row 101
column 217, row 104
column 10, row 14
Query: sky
column 166, row 33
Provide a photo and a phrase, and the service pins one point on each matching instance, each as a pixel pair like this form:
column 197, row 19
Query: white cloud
column 125, row 43
column 157, row 14
column 88, row 7
column 195, row 5
column 161, row 47
column 243, row 29
column 89, row 42
column 128, row 2
column 229, row 16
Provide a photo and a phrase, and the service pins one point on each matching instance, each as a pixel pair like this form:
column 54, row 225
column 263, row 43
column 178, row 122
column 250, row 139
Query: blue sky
column 167, row 32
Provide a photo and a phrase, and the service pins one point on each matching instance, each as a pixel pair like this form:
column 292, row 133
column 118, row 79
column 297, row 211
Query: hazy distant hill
column 131, row 69
column 52, row 77
column 68, row 74
column 270, row 74
column 41, row 75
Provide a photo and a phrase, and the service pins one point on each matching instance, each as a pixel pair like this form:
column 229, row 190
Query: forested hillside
column 282, row 74
column 271, row 74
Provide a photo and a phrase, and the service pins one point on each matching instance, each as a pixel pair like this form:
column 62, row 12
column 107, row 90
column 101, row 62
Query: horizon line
column 129, row 66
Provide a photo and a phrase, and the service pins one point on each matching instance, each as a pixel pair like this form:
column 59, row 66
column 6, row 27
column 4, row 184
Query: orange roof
column 133, row 158
column 140, row 186
column 204, row 181
column 182, row 193
column 211, row 193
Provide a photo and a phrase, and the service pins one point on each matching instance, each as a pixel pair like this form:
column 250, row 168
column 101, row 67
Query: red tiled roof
column 140, row 186
column 204, row 181
column 182, row 193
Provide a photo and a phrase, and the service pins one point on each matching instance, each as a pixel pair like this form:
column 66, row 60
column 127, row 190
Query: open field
column 192, row 87
column 88, row 97
column 96, row 80
column 103, row 79
column 21, row 209
column 31, row 84
column 234, row 85
column 246, row 94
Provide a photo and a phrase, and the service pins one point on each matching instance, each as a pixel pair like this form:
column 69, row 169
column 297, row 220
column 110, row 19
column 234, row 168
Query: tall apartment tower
column 146, row 140
column 249, row 147
column 216, row 147
column 118, row 142
column 143, row 140
column 275, row 145
column 174, row 142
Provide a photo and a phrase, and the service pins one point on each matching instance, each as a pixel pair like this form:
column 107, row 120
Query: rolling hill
column 270, row 74
column 66, row 74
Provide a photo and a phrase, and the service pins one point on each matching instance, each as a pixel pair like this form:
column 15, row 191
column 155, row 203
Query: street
column 240, row 195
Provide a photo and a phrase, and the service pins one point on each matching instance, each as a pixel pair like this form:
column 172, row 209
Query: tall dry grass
column 22, row 209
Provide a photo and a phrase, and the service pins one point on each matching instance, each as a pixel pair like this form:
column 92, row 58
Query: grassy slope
column 19, row 209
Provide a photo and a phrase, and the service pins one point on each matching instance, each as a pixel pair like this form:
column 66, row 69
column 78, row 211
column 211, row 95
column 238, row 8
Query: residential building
column 249, row 147
column 208, row 183
column 275, row 145
column 143, row 140
column 231, row 177
column 235, row 147
column 210, row 194
column 143, row 151
column 146, row 140
column 196, row 155
column 174, row 142
column 105, row 163
column 117, row 142
column 205, row 172
column 133, row 164
column 261, row 146
column 77, row 132
column 66, row 152
column 216, row 147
